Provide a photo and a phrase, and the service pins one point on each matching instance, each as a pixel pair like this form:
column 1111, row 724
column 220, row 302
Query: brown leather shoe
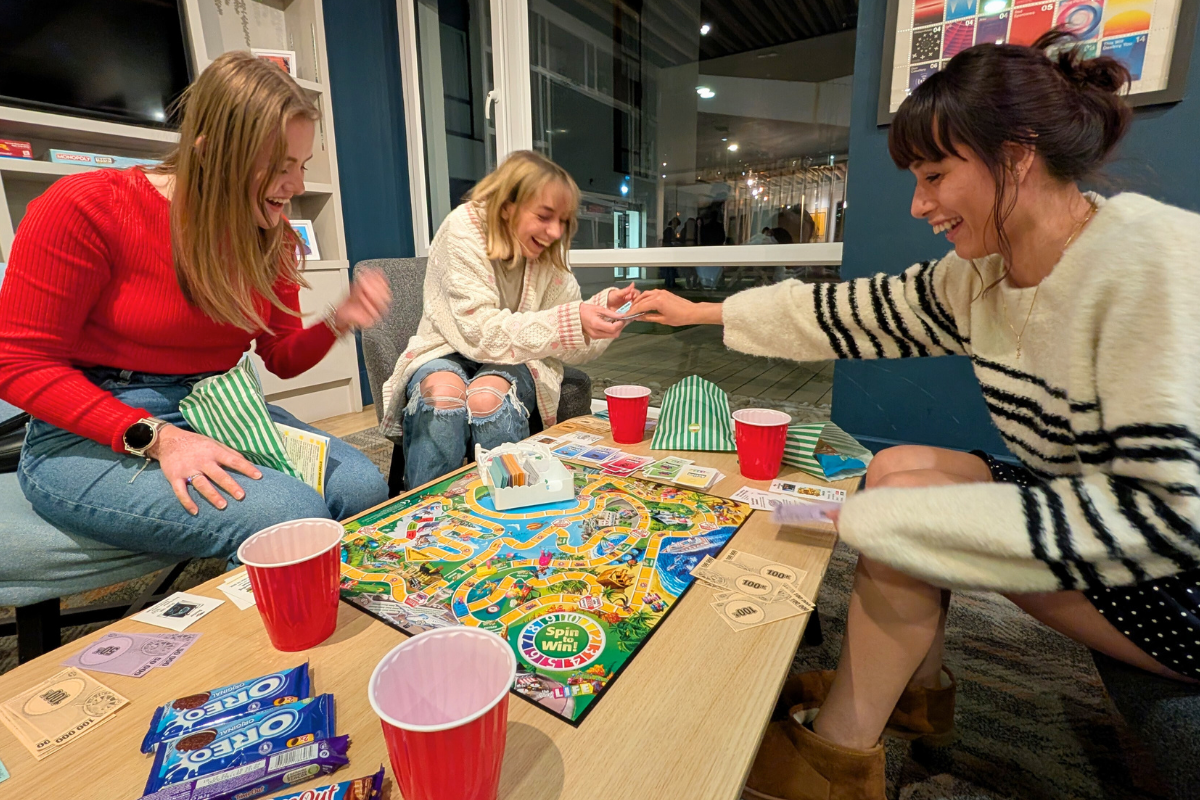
column 793, row 763
column 920, row 713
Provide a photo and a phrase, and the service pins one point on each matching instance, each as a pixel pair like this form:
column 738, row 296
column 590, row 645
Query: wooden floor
column 346, row 424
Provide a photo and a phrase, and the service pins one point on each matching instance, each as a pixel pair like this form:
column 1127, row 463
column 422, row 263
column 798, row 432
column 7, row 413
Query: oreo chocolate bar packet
column 239, row 741
column 278, row 771
column 199, row 711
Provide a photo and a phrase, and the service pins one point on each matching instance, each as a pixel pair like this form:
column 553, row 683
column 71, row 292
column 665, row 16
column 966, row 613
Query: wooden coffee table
column 683, row 721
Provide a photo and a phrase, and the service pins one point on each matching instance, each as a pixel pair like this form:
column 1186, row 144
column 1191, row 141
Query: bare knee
column 485, row 395
column 903, row 458
column 444, row 390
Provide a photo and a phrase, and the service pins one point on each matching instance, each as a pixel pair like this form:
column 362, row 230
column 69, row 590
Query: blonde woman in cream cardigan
column 1079, row 316
column 503, row 313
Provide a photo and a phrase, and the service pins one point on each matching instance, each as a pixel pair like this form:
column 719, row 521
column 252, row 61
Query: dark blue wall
column 368, row 114
column 936, row 401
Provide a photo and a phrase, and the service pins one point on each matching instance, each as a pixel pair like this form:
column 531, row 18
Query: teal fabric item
column 41, row 562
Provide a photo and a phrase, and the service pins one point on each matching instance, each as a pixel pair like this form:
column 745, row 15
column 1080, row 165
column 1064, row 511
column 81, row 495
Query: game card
column 697, row 477
column 755, row 498
column 570, row 450
column 628, row 463
column 582, row 437
column 131, row 654
column 239, row 591
column 793, row 513
column 548, row 440
column 59, row 710
column 667, row 468
column 805, row 491
column 598, row 455
column 178, row 611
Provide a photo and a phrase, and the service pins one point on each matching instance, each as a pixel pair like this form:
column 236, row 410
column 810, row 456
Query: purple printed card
column 132, row 654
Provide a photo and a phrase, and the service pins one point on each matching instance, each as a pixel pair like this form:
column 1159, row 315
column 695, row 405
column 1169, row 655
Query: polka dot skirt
column 1162, row 617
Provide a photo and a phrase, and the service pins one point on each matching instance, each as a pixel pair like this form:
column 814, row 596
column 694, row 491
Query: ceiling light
column 664, row 174
column 705, row 92
column 704, row 29
column 733, row 147
column 624, row 189
column 724, row 138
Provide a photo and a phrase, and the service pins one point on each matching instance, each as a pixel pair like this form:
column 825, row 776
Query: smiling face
column 956, row 196
column 289, row 181
column 542, row 221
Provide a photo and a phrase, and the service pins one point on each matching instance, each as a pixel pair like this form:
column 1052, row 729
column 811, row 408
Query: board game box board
column 576, row 587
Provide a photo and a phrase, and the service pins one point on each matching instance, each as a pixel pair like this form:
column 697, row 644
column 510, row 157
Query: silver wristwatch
column 141, row 435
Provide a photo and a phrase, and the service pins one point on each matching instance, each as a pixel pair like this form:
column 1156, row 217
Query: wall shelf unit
column 215, row 27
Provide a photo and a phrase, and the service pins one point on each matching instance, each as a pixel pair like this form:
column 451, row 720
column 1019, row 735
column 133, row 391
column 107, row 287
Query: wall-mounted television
column 119, row 60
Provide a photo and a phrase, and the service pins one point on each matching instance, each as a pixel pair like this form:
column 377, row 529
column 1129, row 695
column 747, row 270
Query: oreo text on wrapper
column 274, row 772
column 240, row 741
column 199, row 711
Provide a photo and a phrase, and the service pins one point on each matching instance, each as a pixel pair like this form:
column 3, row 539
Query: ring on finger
column 191, row 478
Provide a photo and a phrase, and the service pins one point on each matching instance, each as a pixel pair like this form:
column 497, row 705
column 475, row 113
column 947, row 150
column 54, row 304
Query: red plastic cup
column 627, row 407
column 442, row 697
column 761, row 434
column 295, row 570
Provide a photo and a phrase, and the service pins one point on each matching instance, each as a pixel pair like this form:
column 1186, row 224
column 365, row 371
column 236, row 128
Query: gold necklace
column 1028, row 314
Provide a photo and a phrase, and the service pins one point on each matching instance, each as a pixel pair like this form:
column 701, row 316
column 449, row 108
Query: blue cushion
column 41, row 562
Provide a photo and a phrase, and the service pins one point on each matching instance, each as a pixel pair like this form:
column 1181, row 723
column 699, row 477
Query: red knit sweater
column 91, row 282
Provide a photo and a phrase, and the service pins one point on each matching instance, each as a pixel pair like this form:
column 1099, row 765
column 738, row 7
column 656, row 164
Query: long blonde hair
column 224, row 261
column 518, row 181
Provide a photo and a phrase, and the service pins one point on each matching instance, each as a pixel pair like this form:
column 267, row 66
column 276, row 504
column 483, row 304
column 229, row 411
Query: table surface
column 684, row 720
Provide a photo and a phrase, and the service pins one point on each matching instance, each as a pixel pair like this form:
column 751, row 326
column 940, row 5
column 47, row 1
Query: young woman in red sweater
column 125, row 288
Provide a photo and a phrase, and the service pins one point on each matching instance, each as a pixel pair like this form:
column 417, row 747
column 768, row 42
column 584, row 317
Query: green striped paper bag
column 695, row 416
column 231, row 409
column 826, row 451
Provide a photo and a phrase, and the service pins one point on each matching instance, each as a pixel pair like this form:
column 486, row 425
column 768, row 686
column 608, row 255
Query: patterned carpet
column 1033, row 719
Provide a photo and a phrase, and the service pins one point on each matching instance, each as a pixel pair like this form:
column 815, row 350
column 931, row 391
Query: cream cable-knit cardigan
column 1103, row 405
column 463, row 315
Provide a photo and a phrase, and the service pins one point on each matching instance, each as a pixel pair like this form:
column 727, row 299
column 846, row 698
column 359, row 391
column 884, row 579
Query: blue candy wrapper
column 199, row 711
column 237, row 742
column 367, row 788
column 270, row 774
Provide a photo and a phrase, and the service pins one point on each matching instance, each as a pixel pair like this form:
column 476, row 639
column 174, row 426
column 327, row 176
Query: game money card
column 698, row 477
column 132, row 654
column 177, row 611
column 765, row 567
column 59, row 710
column 627, row 464
column 805, row 491
column 731, row 577
column 741, row 612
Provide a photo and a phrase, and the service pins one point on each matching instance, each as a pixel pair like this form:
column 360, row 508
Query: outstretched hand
column 666, row 308
column 369, row 300
column 619, row 297
column 597, row 324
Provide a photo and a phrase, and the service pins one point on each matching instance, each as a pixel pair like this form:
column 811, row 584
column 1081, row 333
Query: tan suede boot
column 920, row 713
column 793, row 763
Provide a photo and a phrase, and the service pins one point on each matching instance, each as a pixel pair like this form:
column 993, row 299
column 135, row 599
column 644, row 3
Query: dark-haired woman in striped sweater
column 1079, row 315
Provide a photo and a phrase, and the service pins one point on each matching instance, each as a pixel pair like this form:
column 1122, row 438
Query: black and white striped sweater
column 1104, row 403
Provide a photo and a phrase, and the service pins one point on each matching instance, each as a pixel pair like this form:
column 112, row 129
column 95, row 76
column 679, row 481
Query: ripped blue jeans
column 441, row 427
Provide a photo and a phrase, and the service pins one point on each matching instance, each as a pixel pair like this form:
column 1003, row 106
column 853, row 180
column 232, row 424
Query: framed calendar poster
column 1153, row 38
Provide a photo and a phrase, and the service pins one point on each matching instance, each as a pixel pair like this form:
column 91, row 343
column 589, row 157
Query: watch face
column 138, row 435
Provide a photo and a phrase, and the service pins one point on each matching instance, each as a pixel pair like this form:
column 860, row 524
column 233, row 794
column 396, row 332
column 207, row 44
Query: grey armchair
column 383, row 344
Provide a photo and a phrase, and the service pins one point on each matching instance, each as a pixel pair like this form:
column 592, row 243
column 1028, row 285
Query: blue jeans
column 436, row 440
column 83, row 487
